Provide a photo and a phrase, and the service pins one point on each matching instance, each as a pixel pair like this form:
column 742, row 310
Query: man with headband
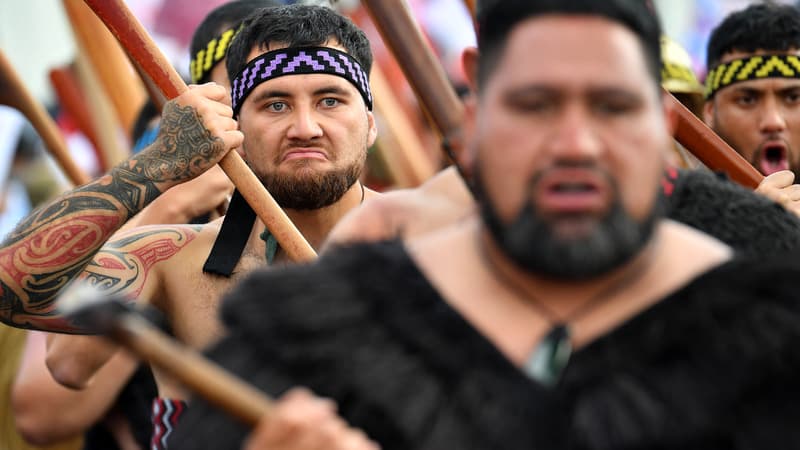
column 753, row 93
column 568, row 314
column 302, row 98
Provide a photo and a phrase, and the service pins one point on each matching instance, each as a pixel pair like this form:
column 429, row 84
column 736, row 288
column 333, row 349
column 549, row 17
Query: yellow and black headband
column 207, row 58
column 751, row 68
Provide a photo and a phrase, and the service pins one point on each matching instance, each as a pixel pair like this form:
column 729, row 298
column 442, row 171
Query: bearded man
column 753, row 93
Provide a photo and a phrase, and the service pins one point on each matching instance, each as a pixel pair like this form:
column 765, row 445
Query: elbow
column 68, row 373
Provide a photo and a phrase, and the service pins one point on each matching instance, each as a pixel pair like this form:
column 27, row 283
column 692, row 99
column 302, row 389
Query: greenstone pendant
column 551, row 356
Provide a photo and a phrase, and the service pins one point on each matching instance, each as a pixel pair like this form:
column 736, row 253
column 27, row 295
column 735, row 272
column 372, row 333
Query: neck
column 562, row 296
column 316, row 224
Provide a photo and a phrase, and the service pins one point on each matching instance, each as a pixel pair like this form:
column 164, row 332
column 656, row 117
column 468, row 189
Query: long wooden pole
column 140, row 47
column 215, row 384
column 405, row 156
column 14, row 93
column 71, row 99
column 111, row 67
column 424, row 72
column 113, row 145
column 116, row 317
column 710, row 149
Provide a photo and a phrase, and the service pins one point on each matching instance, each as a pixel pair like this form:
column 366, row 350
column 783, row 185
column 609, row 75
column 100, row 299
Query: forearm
column 51, row 247
column 46, row 412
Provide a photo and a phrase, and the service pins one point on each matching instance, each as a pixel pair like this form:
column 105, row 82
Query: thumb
column 779, row 180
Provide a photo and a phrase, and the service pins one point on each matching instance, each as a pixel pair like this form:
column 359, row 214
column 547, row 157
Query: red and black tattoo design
column 53, row 245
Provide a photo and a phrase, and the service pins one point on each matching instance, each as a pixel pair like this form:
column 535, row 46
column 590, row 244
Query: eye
column 330, row 102
column 745, row 99
column 276, row 106
column 532, row 105
column 612, row 107
column 792, row 97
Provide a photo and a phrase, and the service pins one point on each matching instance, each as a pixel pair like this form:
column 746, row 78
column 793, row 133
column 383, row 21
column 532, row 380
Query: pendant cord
column 593, row 301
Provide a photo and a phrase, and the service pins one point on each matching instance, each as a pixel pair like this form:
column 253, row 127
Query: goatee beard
column 309, row 190
column 531, row 242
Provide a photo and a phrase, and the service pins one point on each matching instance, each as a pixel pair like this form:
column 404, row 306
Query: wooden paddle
column 425, row 74
column 710, row 149
column 117, row 78
column 13, row 93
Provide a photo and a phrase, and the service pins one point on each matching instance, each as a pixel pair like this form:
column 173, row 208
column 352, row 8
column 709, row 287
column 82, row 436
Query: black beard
column 531, row 243
column 311, row 191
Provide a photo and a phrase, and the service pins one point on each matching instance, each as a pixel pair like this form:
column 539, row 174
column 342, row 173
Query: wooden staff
column 112, row 144
column 116, row 318
column 710, row 149
column 472, row 7
column 13, row 93
column 153, row 92
column 405, row 156
column 424, row 72
column 140, row 47
column 109, row 63
column 72, row 101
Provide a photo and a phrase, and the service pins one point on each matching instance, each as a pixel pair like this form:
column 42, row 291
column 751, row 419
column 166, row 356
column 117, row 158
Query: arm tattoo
column 122, row 266
column 52, row 246
column 185, row 147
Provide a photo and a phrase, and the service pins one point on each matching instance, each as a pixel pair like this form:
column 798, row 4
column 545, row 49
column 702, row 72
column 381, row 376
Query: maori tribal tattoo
column 123, row 265
column 52, row 246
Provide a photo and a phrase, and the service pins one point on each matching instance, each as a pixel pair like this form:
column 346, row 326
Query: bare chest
column 192, row 300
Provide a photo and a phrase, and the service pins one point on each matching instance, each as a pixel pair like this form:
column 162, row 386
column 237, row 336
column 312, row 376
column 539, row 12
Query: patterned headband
column 752, row 68
column 298, row 61
column 215, row 51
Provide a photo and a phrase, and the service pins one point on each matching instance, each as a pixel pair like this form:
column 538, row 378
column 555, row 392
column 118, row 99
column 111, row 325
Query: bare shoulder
column 686, row 253
column 407, row 212
column 131, row 260
column 157, row 238
column 689, row 241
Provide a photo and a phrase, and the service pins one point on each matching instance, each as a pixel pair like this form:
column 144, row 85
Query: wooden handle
column 405, row 156
column 424, row 72
column 71, row 98
column 470, row 4
column 141, row 48
column 116, row 76
column 13, row 93
column 218, row 386
column 710, row 149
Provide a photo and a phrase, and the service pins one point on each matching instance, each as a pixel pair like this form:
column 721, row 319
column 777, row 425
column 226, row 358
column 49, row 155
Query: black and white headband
column 298, row 61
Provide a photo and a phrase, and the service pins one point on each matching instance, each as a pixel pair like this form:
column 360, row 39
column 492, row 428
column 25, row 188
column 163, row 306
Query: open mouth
column 572, row 192
column 774, row 158
column 573, row 187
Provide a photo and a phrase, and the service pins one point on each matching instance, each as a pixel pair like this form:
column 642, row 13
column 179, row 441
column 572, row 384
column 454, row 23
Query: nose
column 304, row 125
column 575, row 136
column 772, row 119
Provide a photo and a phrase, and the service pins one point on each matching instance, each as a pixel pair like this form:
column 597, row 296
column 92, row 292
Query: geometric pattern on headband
column 298, row 61
column 751, row 68
column 207, row 58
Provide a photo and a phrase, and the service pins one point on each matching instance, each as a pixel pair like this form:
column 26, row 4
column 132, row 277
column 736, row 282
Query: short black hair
column 497, row 18
column 222, row 18
column 297, row 26
column 764, row 26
